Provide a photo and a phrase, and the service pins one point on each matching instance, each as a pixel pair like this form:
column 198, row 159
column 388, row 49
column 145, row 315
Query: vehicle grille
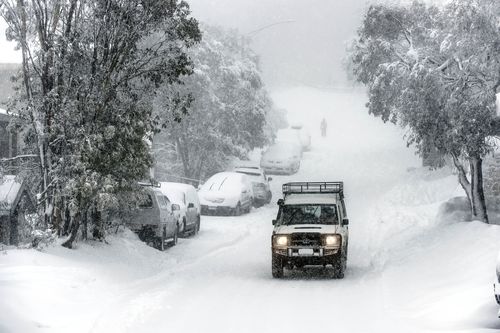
column 306, row 239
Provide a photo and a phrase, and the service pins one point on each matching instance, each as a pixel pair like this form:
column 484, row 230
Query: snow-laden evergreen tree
column 223, row 107
column 436, row 71
column 90, row 69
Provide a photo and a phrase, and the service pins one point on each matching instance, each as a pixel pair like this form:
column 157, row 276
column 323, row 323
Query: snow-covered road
column 407, row 271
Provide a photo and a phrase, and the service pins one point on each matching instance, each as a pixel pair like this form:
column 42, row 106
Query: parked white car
column 226, row 193
column 260, row 184
column 281, row 158
column 185, row 204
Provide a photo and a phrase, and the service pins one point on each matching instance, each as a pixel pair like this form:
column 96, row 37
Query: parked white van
column 186, row 205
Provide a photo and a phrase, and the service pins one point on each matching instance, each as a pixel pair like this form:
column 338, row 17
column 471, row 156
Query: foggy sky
column 309, row 50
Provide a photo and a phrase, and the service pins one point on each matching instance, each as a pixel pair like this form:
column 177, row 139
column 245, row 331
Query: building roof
column 10, row 193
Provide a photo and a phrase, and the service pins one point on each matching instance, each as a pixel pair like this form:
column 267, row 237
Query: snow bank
column 61, row 290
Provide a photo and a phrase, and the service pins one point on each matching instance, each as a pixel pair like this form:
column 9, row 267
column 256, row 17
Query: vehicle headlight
column 333, row 240
column 281, row 240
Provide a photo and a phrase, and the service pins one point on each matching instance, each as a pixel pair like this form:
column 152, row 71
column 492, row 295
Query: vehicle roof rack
column 314, row 187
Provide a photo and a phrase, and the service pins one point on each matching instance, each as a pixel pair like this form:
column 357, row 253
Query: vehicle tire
column 237, row 210
column 249, row 208
column 185, row 232
column 160, row 241
column 340, row 266
column 269, row 197
column 197, row 226
column 277, row 267
column 176, row 236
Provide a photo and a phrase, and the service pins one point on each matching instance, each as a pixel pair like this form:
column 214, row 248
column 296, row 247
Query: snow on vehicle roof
column 2, row 111
column 174, row 191
column 283, row 146
column 311, row 199
column 176, row 186
column 223, row 181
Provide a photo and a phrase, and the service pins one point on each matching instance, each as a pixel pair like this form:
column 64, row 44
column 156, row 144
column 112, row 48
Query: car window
column 161, row 201
column 146, row 201
column 308, row 214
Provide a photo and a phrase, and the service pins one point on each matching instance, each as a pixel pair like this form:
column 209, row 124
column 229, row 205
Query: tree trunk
column 462, row 178
column 74, row 231
column 184, row 154
column 85, row 224
column 473, row 189
column 479, row 211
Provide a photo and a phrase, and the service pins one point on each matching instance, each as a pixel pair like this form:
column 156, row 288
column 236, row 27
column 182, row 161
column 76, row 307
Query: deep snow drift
column 408, row 271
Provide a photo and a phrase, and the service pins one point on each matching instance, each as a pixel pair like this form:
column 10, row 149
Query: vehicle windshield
column 308, row 214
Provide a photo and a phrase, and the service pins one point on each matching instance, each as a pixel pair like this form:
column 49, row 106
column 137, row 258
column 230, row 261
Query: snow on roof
column 312, row 198
column 9, row 190
column 175, row 191
column 177, row 186
column 223, row 180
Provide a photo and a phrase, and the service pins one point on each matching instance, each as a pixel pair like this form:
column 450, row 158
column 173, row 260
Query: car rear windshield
column 308, row 214
column 145, row 201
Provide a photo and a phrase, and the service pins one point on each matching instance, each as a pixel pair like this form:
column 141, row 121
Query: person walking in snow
column 323, row 127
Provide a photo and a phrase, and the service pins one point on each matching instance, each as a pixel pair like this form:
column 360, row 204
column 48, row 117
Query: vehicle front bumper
column 216, row 210
column 298, row 255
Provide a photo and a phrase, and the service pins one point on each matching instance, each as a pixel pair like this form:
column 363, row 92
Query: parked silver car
column 154, row 220
column 185, row 204
column 260, row 184
column 281, row 158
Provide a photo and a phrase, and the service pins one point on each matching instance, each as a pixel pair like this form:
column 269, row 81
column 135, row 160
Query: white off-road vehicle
column 311, row 228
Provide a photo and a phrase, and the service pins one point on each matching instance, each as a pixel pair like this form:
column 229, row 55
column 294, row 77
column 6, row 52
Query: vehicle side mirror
column 191, row 205
column 345, row 221
column 274, row 222
column 269, row 179
column 176, row 207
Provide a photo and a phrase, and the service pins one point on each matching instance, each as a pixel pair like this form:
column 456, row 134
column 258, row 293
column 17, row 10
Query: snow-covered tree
column 223, row 107
column 435, row 71
column 90, row 69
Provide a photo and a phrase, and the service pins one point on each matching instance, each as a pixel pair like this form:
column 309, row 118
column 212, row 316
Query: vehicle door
column 167, row 216
column 343, row 222
column 246, row 191
column 191, row 212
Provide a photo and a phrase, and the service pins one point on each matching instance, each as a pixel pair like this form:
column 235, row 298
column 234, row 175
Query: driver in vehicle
column 328, row 215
